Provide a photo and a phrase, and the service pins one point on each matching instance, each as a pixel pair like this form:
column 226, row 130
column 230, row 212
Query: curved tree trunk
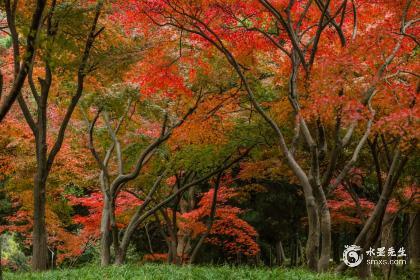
column 125, row 242
column 21, row 72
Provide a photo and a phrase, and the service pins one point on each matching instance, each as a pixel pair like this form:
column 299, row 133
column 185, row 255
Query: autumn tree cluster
column 233, row 131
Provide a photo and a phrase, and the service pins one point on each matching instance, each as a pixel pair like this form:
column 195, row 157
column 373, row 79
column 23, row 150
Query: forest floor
column 164, row 272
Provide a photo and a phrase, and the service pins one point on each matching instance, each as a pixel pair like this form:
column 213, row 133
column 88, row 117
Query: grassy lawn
column 156, row 272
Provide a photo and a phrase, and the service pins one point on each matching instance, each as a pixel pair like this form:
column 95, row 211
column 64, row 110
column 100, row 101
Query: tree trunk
column 183, row 247
column 170, row 254
column 387, row 240
column 174, row 246
column 325, row 228
column 105, row 234
column 293, row 251
column 120, row 257
column 312, row 244
column 414, row 243
column 170, row 238
column 299, row 252
column 114, row 229
column 209, row 222
column 125, row 242
column 39, row 235
column 173, row 258
column 54, row 258
column 280, row 256
column 365, row 270
column 336, row 248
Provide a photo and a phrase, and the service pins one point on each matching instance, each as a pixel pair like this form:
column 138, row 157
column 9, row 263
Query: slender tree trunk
column 293, row 251
column 183, row 247
column 120, row 249
column 148, row 239
column 171, row 239
column 120, row 256
column 54, row 258
column 280, row 256
column 209, row 222
column 105, row 234
column 299, row 252
column 114, row 228
column 314, row 219
column 414, row 243
column 365, row 270
column 312, row 244
column 387, row 240
column 325, row 228
column 39, row 235
column 121, row 253
column 123, row 246
column 174, row 246
column 170, row 254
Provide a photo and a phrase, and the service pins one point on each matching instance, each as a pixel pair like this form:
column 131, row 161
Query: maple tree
column 46, row 66
column 38, row 124
column 111, row 185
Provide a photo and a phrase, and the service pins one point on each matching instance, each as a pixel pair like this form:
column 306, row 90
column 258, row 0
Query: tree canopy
column 254, row 131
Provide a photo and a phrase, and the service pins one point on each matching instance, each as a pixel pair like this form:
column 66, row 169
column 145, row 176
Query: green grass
column 161, row 272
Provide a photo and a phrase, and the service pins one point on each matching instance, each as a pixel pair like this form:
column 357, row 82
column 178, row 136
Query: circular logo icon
column 352, row 255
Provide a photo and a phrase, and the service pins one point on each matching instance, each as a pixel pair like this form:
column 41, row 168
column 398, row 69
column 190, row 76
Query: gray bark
column 414, row 243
